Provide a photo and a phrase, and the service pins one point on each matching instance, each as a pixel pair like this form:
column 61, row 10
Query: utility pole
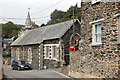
column 73, row 29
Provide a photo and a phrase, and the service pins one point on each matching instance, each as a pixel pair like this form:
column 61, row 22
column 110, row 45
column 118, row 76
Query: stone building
column 45, row 47
column 99, row 52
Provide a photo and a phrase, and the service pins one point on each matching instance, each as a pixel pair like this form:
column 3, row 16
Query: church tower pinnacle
column 28, row 23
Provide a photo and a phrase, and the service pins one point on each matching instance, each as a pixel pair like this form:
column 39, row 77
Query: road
column 34, row 74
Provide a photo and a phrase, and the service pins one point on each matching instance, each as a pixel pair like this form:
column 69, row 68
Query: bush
column 7, row 54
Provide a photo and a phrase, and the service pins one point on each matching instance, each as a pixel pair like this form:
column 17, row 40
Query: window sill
column 46, row 58
column 52, row 59
column 95, row 2
column 94, row 45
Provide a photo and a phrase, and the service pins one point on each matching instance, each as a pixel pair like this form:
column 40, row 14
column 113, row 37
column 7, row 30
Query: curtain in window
column 98, row 33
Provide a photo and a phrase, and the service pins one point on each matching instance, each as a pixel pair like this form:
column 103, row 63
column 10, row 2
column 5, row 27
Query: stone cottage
column 99, row 52
column 45, row 47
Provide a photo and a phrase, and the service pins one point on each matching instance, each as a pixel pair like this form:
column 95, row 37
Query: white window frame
column 95, row 1
column 94, row 34
column 30, row 55
column 119, row 26
column 118, row 15
column 95, row 23
column 46, row 51
column 53, row 50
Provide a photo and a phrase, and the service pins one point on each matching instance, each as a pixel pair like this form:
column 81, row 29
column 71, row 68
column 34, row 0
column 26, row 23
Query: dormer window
column 95, row 1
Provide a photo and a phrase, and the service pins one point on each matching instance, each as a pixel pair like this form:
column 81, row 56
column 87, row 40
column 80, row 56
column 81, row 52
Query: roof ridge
column 51, row 25
column 38, row 35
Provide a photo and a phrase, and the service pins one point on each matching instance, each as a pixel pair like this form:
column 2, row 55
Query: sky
column 40, row 10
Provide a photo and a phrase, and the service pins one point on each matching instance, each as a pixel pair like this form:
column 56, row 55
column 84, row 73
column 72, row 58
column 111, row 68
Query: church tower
column 28, row 23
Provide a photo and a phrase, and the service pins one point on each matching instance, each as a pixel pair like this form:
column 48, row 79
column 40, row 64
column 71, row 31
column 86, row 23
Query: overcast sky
column 19, row 9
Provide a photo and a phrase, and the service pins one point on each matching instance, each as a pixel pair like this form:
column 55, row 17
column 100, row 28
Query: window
column 47, row 51
column 95, row 1
column 17, row 54
column 54, row 52
column 29, row 55
column 97, row 33
column 118, row 15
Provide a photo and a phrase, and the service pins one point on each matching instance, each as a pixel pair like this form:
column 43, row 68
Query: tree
column 8, row 53
column 42, row 25
column 60, row 16
column 56, row 15
column 10, row 29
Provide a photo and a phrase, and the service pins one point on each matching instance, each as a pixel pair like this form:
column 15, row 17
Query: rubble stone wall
column 35, row 54
column 102, row 60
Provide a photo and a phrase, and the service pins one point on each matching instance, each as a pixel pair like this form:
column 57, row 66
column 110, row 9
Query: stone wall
column 24, row 52
column 97, row 61
column 51, row 63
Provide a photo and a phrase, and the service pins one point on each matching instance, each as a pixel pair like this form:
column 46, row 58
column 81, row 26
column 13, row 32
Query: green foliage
column 42, row 25
column 10, row 29
column 60, row 16
column 57, row 15
column 15, row 37
column 7, row 54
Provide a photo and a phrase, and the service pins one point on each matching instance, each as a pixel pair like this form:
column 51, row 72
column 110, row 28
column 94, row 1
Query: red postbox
column 71, row 48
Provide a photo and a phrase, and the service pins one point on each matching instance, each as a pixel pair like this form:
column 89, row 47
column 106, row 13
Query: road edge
column 61, row 74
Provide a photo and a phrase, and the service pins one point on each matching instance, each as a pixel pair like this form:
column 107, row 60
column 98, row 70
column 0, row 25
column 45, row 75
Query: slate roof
column 38, row 35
